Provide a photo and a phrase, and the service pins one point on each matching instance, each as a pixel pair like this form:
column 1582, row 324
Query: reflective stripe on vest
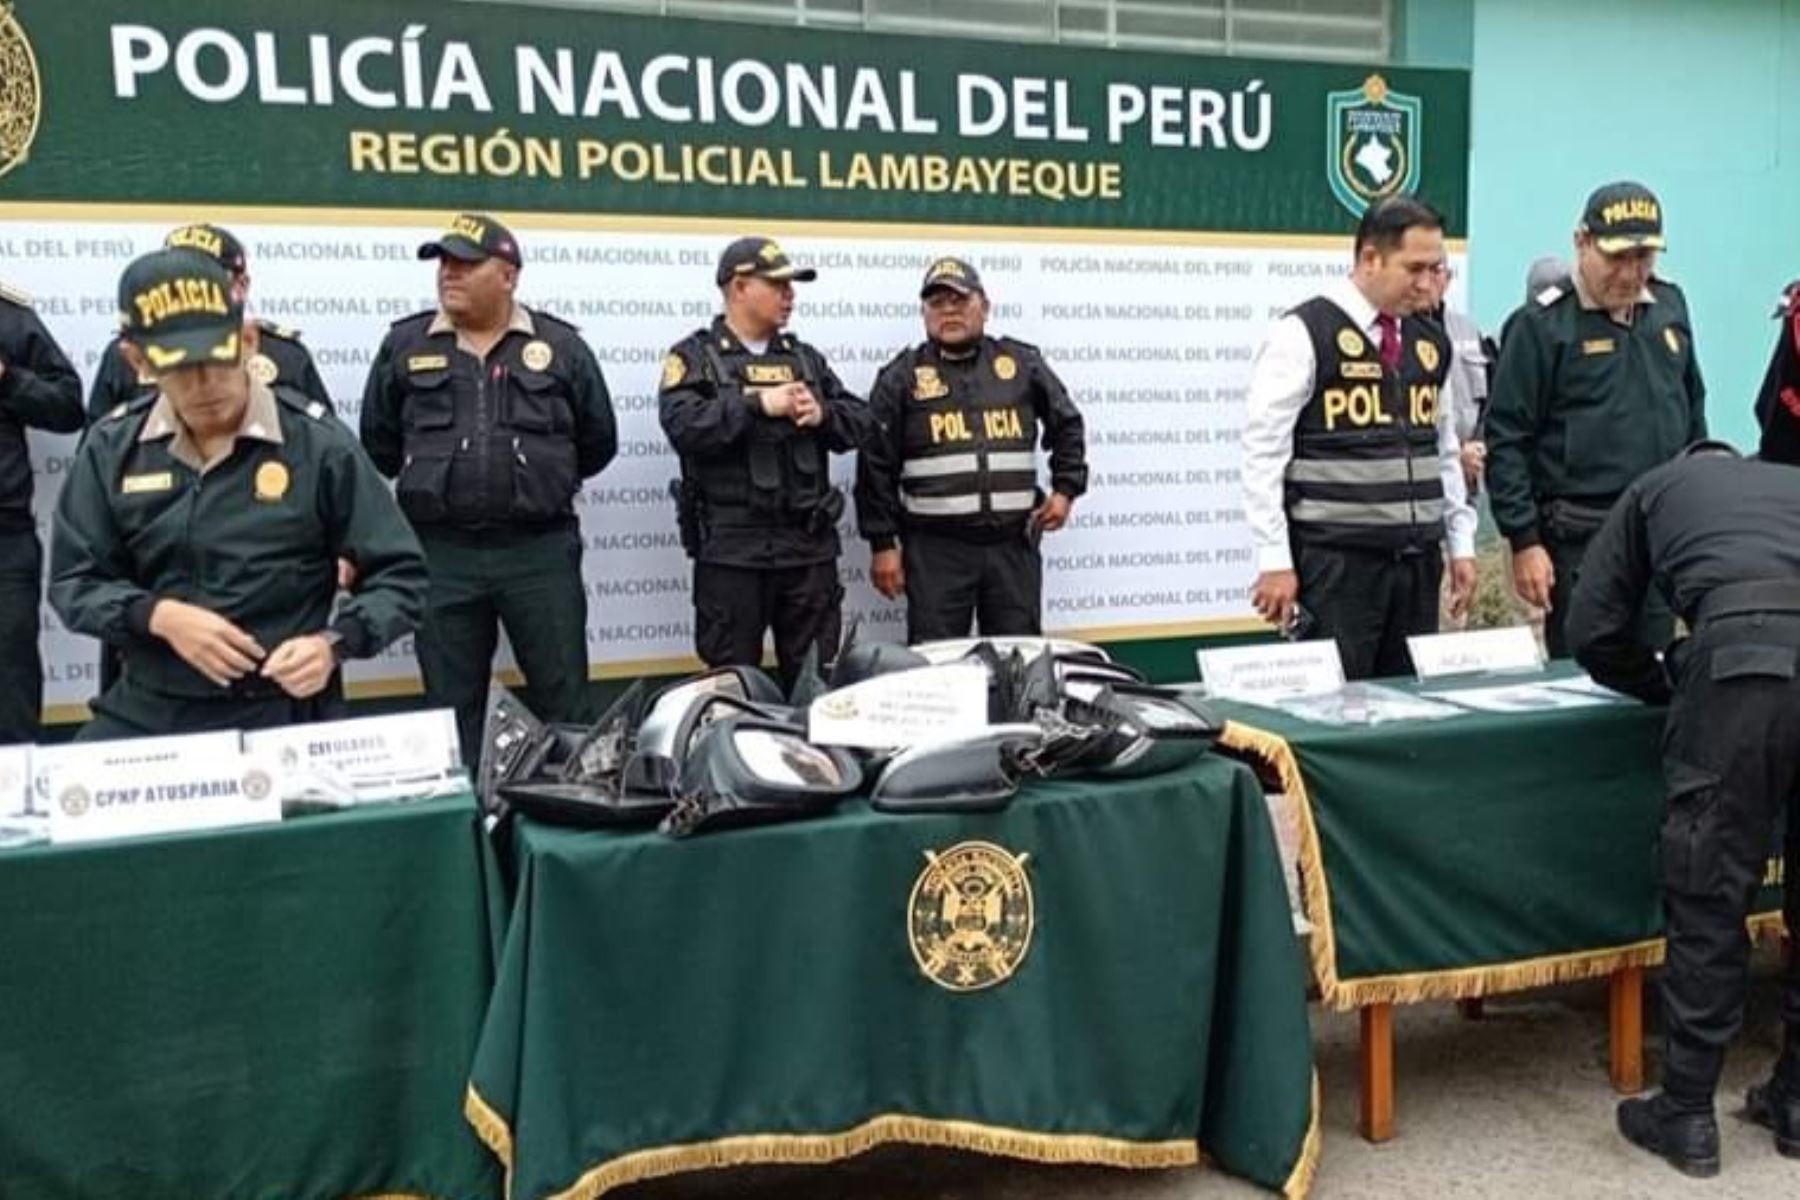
column 1351, row 512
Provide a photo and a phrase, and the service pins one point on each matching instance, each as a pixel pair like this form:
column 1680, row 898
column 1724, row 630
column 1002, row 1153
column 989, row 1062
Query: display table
column 1465, row 857
column 788, row 993
column 279, row 1011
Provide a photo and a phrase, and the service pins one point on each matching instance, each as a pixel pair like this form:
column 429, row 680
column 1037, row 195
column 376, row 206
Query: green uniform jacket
column 254, row 539
column 1583, row 405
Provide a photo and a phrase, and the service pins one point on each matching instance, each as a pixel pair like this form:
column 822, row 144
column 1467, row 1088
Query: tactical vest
column 489, row 443
column 784, row 478
column 970, row 439
column 1364, row 472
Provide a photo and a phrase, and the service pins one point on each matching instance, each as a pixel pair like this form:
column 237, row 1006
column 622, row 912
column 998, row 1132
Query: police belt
column 1574, row 518
column 1752, row 596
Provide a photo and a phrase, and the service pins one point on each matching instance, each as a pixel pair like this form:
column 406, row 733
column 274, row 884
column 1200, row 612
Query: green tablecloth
column 754, row 996
column 1473, row 855
column 272, row 1013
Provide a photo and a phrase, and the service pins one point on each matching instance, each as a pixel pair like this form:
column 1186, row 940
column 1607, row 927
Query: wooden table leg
column 1377, row 1072
column 1627, row 1003
column 1472, row 1009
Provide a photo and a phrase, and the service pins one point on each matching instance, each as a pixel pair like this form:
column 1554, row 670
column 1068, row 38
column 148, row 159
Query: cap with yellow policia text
column 211, row 240
column 952, row 273
column 1623, row 216
column 473, row 237
column 176, row 306
column 759, row 258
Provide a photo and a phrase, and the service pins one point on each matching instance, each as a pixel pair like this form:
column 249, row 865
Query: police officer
column 280, row 357
column 38, row 390
column 1471, row 365
column 1721, row 536
column 1352, row 472
column 1597, row 383
column 199, row 530
column 946, row 491
column 490, row 415
column 755, row 414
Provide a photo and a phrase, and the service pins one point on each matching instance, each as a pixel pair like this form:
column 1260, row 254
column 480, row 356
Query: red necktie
column 1390, row 340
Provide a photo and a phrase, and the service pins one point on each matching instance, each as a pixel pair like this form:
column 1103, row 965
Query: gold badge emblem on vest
column 1428, row 354
column 271, row 482
column 674, row 370
column 1351, row 343
column 929, row 385
column 537, row 355
column 1674, row 340
column 970, row 916
column 262, row 368
column 1005, row 367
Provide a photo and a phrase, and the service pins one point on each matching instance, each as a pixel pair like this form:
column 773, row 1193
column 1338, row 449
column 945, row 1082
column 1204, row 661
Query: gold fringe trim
column 492, row 1129
column 1315, row 892
column 1461, row 983
column 892, row 1127
column 1300, row 1179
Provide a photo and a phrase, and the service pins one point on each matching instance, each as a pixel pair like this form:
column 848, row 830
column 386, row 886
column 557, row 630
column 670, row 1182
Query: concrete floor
column 1514, row 1105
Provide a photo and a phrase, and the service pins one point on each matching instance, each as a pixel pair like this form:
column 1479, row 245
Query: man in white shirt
column 1352, row 471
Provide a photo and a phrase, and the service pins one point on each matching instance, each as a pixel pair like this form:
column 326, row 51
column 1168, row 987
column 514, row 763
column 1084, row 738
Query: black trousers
column 1731, row 759
column 1371, row 601
column 530, row 582
column 951, row 581
column 1656, row 623
column 21, row 672
column 734, row 606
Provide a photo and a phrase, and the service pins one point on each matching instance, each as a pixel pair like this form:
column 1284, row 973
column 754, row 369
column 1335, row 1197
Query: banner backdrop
column 1140, row 217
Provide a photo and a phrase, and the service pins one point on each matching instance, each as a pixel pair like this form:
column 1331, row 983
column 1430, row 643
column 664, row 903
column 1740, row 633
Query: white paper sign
column 1258, row 674
column 15, row 780
column 195, row 750
column 91, row 802
column 1475, row 651
column 906, row 708
column 374, row 758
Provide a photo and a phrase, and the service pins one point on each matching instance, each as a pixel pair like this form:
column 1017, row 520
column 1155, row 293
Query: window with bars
column 1332, row 30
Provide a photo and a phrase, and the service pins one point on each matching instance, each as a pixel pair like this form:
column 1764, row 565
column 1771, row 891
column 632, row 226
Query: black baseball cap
column 211, row 240
column 760, row 258
column 1623, row 216
column 474, row 237
column 176, row 306
column 954, row 273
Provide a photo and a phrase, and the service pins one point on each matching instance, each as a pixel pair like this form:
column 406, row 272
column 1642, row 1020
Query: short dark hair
column 1385, row 222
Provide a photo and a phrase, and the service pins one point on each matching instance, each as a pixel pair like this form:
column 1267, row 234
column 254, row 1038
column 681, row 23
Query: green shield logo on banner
column 1371, row 143
column 20, row 97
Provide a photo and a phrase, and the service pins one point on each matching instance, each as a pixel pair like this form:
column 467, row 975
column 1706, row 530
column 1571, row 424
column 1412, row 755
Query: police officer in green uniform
column 199, row 530
column 280, row 357
column 947, row 491
column 755, row 414
column 489, row 415
column 38, row 390
column 1597, row 383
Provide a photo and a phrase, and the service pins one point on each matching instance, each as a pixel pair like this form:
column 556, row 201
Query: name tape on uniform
column 1475, row 651
column 906, row 708
column 1278, row 671
column 399, row 757
column 89, row 802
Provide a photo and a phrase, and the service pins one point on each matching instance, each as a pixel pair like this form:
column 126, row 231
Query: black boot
column 1777, row 1110
column 1689, row 1140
